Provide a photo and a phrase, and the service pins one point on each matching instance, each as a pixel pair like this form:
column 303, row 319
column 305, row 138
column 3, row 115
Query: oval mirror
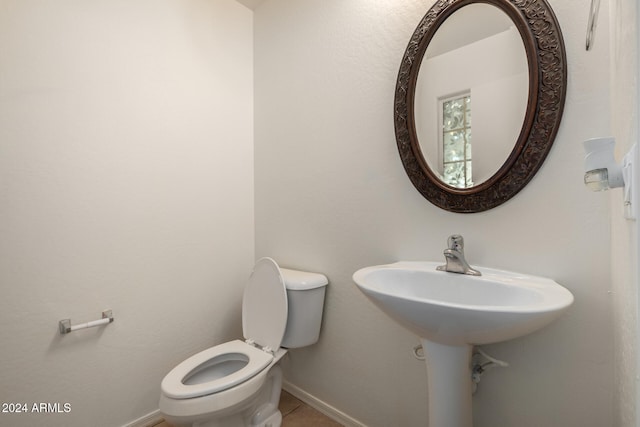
column 499, row 62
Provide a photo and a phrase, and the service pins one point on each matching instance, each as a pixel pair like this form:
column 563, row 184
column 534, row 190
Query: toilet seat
column 178, row 383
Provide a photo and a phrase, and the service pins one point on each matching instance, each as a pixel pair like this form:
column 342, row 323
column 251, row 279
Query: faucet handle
column 456, row 242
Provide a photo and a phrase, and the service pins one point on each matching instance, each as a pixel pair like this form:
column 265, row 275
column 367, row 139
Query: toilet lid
column 264, row 305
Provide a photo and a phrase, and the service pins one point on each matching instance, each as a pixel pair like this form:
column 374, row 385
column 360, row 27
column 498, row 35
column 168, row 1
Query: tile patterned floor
column 295, row 413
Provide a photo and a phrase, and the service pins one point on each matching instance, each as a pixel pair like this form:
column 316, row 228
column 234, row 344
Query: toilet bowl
column 237, row 384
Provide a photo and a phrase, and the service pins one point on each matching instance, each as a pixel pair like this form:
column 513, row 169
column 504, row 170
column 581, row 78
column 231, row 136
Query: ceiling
column 251, row 4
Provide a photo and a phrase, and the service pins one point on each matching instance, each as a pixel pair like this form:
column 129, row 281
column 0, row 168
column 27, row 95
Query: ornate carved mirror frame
column 547, row 62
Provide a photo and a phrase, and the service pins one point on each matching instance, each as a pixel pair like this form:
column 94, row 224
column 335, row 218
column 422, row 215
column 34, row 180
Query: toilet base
column 275, row 420
column 267, row 415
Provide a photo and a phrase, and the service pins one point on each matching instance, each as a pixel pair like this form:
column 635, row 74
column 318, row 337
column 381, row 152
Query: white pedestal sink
column 453, row 312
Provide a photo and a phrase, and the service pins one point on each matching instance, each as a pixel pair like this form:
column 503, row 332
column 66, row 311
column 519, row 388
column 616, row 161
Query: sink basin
column 458, row 309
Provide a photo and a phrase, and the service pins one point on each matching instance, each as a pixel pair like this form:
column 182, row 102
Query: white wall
column 126, row 182
column 624, row 242
column 332, row 196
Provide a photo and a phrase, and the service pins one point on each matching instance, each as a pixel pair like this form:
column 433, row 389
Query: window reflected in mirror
column 456, row 141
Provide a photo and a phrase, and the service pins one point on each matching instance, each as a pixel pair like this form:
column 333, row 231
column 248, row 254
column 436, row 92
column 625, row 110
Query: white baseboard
column 148, row 420
column 321, row 406
column 155, row 417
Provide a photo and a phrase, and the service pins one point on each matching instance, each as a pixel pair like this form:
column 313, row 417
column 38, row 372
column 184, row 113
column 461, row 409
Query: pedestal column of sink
column 449, row 384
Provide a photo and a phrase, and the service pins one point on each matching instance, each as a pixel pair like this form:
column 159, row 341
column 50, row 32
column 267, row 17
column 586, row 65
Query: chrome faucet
column 454, row 256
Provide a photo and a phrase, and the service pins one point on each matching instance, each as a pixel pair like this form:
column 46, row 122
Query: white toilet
column 237, row 384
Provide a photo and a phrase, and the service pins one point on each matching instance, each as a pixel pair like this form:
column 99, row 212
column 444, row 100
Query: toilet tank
column 305, row 299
